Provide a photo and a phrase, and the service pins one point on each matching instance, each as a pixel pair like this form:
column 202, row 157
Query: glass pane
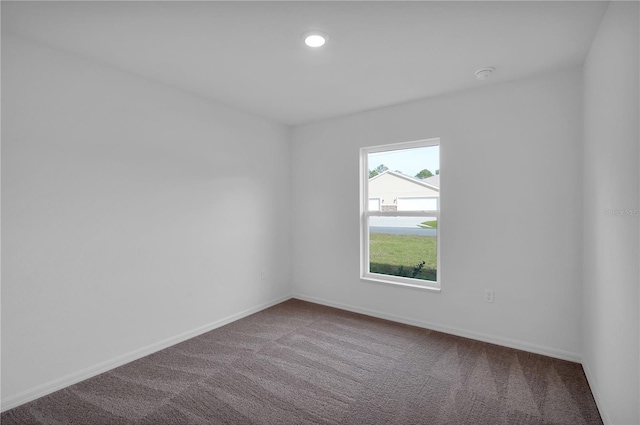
column 404, row 246
column 405, row 179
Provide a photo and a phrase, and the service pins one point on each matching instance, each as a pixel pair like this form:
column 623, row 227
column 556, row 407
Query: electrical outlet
column 488, row 295
column 263, row 274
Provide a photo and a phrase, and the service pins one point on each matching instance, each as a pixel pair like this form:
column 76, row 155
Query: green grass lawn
column 398, row 255
column 432, row 224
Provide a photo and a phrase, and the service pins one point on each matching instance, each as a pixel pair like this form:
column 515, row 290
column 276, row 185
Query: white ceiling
column 250, row 54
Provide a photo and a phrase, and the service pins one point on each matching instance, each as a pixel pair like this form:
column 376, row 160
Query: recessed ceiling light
column 484, row 73
column 314, row 38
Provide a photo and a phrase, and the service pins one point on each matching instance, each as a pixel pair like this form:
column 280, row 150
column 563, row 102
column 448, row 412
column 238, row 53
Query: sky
column 408, row 161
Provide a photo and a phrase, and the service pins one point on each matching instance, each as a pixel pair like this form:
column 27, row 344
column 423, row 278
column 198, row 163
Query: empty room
column 291, row 212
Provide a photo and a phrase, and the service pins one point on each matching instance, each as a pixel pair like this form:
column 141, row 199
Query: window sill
column 405, row 284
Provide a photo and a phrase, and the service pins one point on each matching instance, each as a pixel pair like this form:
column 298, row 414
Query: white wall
column 611, row 256
column 131, row 213
column 513, row 148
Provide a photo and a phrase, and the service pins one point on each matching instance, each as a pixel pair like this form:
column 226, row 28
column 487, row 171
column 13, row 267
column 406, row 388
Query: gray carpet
column 301, row 363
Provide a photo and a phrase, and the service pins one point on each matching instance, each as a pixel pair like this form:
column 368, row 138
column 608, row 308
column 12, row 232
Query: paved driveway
column 403, row 231
column 400, row 225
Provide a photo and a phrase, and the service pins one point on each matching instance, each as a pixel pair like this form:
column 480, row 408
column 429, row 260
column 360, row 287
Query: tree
column 424, row 174
column 438, row 172
column 378, row 170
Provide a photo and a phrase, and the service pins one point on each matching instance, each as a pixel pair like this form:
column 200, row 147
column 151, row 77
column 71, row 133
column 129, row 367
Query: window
column 400, row 210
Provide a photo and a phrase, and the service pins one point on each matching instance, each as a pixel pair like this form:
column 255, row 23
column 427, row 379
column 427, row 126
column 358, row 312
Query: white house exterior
column 392, row 191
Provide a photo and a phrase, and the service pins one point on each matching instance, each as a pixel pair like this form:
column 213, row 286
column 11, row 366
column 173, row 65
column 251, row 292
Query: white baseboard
column 506, row 342
column 606, row 419
column 65, row 381
column 73, row 378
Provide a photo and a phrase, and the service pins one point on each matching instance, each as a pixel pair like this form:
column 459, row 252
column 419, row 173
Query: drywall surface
column 611, row 256
column 131, row 213
column 511, row 198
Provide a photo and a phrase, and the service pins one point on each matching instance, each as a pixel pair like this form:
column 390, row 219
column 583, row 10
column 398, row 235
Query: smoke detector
column 484, row 73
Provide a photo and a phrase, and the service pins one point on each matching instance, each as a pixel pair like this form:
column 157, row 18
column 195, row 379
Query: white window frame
column 365, row 274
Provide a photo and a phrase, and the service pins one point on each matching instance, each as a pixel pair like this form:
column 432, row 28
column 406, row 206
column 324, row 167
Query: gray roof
column 433, row 180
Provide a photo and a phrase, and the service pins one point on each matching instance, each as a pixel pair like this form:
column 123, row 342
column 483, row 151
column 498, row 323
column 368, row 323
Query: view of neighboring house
column 393, row 191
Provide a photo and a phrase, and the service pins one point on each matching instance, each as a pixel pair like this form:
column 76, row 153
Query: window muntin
column 400, row 213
